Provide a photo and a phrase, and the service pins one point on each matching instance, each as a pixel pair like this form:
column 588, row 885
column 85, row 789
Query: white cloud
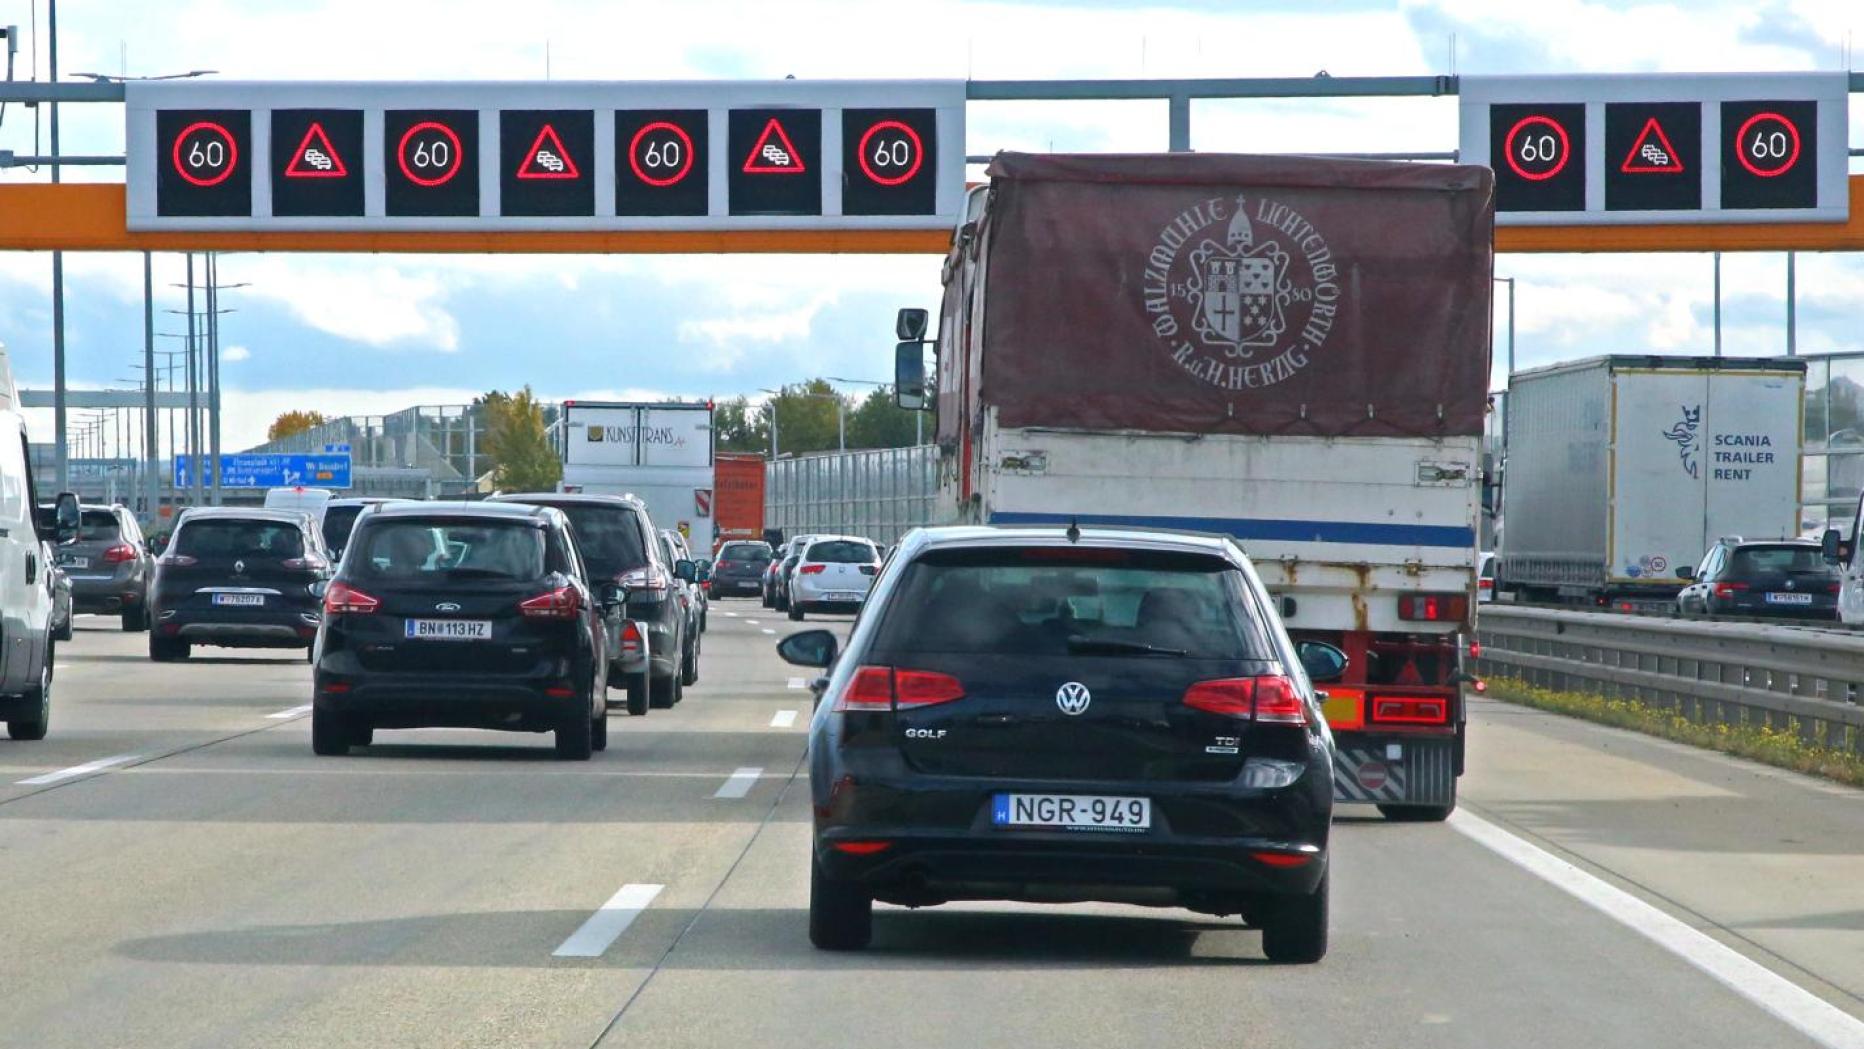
column 235, row 353
column 373, row 302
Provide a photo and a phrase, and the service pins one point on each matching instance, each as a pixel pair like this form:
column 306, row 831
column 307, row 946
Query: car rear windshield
column 1768, row 560
column 339, row 521
column 609, row 537
column 98, row 524
column 744, row 552
column 232, row 538
column 416, row 550
column 1085, row 601
column 841, row 552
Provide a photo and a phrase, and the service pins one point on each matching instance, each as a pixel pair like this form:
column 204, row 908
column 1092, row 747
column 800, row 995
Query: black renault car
column 1058, row 717
column 466, row 615
column 239, row 578
column 109, row 566
column 620, row 546
column 739, row 570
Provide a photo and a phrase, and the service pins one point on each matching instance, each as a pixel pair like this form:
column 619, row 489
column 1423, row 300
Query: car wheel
column 1295, row 931
column 796, row 614
column 576, row 736
column 167, row 650
column 361, row 733
column 135, row 620
column 637, row 696
column 34, row 726
column 660, row 691
column 598, row 731
column 330, row 733
column 64, row 631
column 689, row 666
column 841, row 916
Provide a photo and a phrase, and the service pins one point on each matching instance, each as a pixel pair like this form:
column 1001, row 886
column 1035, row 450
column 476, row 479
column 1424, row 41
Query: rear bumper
column 282, row 628
column 1371, row 768
column 451, row 701
column 723, row 587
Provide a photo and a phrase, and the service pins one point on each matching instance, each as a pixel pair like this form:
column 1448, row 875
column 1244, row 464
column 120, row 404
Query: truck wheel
column 1294, row 932
column 330, row 733
column 27, row 727
column 841, row 916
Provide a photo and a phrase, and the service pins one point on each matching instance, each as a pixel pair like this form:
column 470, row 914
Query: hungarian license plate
column 449, row 629
column 74, row 562
column 241, row 600
column 1071, row 812
column 1789, row 599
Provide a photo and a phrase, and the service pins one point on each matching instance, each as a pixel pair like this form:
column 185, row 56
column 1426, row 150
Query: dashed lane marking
column 739, row 783
column 783, row 719
column 77, row 770
column 609, row 922
column 292, row 713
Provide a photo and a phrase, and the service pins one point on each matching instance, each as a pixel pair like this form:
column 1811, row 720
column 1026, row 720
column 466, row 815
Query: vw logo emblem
column 446, row 606
column 239, row 568
column 1073, row 698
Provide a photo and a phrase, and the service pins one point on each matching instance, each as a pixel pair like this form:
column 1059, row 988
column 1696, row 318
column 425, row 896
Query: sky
column 368, row 334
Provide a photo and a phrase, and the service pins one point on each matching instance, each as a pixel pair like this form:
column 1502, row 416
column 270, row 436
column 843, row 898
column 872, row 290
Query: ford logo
column 1073, row 698
column 446, row 606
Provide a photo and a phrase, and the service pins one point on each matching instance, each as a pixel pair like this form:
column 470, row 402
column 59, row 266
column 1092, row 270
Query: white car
column 1485, row 578
column 833, row 574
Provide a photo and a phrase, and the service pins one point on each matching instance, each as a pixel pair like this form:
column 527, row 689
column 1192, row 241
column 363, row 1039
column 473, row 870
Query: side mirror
column 1288, row 607
column 811, row 648
column 613, row 596
column 65, row 518
column 1831, row 545
column 1323, row 662
column 1685, row 572
column 685, row 571
column 909, row 376
column 910, row 325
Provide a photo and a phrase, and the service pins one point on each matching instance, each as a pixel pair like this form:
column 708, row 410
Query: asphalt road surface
column 203, row 880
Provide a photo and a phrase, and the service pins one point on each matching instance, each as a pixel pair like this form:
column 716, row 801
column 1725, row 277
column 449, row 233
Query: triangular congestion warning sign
column 547, row 159
column 1651, row 153
column 774, row 153
column 316, row 156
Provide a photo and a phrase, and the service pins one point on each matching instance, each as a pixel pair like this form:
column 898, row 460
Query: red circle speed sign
column 896, row 158
column 1536, row 154
column 663, row 152
column 1767, row 144
column 205, row 154
column 434, row 160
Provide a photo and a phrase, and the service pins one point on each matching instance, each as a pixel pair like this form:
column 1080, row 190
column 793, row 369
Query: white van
column 312, row 501
column 26, row 580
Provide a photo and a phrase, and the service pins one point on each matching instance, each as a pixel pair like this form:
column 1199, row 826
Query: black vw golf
column 470, row 615
column 1047, row 717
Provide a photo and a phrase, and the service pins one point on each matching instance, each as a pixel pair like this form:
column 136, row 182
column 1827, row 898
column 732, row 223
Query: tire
column 576, row 737
column 34, row 726
column 135, row 620
column 689, row 666
column 841, row 916
column 63, row 633
column 704, row 616
column 1295, row 931
column 661, row 692
column 331, row 733
column 598, row 732
column 361, row 733
column 165, row 650
column 637, row 696
column 796, row 614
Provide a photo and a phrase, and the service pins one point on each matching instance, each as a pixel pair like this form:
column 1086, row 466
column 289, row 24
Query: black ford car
column 468, row 615
column 1058, row 717
column 239, row 578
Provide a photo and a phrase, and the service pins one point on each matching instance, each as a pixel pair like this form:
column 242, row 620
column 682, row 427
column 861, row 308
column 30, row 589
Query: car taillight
column 1485, row 584
column 647, row 583
column 1433, row 608
column 119, row 553
column 1269, row 699
column 1410, row 710
column 177, row 560
column 1831, row 588
column 632, row 643
column 314, row 564
column 874, row 689
column 562, row 603
column 869, row 569
column 811, row 569
column 1729, row 589
column 344, row 599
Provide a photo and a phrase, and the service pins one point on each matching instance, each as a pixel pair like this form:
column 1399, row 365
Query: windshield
column 744, row 552
column 416, row 550
column 226, row 539
column 609, row 537
column 98, row 525
column 1763, row 560
column 841, row 552
column 1049, row 602
column 339, row 521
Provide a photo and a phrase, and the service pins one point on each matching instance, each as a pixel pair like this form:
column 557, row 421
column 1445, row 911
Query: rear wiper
column 1079, row 644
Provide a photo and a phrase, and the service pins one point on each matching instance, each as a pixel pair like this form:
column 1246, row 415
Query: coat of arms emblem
column 1236, row 288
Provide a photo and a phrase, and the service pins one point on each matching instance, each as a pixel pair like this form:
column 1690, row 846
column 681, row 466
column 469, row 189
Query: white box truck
column 660, row 453
column 1293, row 352
column 1622, row 469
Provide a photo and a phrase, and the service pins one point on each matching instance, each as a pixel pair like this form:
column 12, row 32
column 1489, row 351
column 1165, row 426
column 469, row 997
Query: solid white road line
column 767, row 630
column 797, row 682
column 783, row 719
column 292, row 713
column 77, row 770
column 609, row 922
column 1800, row 1009
column 754, row 622
column 739, row 783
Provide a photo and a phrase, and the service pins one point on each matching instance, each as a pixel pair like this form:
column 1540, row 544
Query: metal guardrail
column 1807, row 682
column 880, row 493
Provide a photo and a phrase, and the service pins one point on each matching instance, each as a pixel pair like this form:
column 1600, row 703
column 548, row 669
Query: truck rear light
column 1729, row 589
column 1410, row 710
column 344, row 599
column 1475, row 650
column 1269, row 699
column 1433, row 608
column 874, row 689
column 562, row 603
column 811, row 569
column 119, row 553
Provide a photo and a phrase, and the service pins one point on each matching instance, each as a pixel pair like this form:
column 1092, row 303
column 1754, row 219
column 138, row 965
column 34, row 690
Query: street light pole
column 194, row 398
column 150, row 452
column 61, row 450
column 213, row 369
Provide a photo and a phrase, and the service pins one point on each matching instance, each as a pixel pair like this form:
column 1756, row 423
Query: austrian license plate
column 242, row 600
column 449, row 629
column 74, row 562
column 1071, row 812
column 1789, row 599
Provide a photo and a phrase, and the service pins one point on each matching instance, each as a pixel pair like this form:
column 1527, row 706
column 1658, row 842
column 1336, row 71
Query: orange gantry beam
column 89, row 217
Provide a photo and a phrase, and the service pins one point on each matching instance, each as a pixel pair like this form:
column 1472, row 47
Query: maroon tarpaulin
column 1209, row 293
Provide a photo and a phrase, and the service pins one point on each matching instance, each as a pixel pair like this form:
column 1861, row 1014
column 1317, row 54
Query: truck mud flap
column 1423, row 774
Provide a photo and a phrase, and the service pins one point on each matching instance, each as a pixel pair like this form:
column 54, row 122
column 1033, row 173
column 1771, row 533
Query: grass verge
column 1781, row 748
